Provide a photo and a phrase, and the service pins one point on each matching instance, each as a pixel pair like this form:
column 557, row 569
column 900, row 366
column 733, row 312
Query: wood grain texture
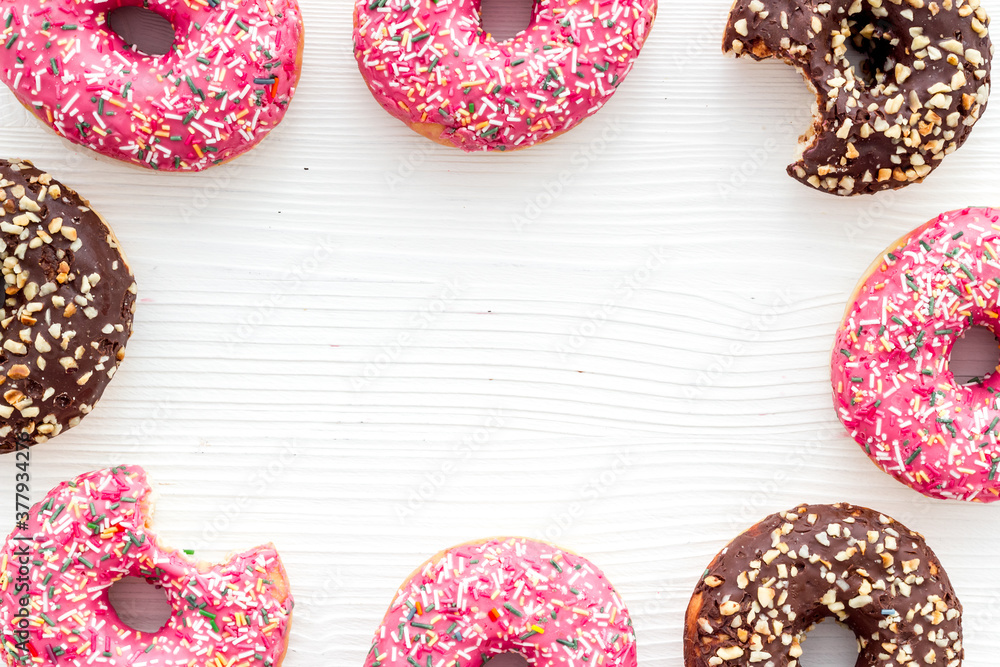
column 618, row 340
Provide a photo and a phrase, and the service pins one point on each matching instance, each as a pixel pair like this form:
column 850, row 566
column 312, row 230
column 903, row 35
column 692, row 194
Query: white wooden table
column 366, row 347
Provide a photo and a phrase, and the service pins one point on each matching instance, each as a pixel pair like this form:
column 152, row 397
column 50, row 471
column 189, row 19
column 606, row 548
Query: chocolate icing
column 763, row 592
column 68, row 311
column 883, row 129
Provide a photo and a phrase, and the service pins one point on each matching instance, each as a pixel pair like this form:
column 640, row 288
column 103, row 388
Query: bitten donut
column 512, row 595
column 892, row 386
column 56, row 573
column 67, row 313
column 762, row 593
column 926, row 82
column 225, row 83
column 432, row 66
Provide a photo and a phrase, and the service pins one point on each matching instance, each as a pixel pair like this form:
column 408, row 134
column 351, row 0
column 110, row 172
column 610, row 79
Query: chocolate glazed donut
column 67, row 313
column 925, row 83
column 773, row 583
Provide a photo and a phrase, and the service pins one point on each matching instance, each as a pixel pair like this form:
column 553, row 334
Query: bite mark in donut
column 772, row 584
column 506, row 595
column 927, row 84
column 891, row 383
column 433, row 66
column 225, row 84
column 93, row 531
column 67, row 310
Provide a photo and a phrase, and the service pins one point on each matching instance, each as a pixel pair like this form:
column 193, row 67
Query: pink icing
column 89, row 533
column 226, row 83
column 506, row 596
column 431, row 62
column 891, row 382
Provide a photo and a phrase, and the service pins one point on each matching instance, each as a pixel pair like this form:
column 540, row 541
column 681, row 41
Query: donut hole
column 975, row 356
column 830, row 644
column 139, row 604
column 869, row 49
column 148, row 32
column 509, row 659
column 506, row 19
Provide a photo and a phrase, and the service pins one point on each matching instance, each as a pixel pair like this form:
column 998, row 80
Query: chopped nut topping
column 868, row 133
column 53, row 299
column 767, row 599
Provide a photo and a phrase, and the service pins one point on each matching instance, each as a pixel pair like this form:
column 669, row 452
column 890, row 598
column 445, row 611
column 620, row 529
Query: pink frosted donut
column 509, row 595
column 56, row 572
column 431, row 65
column 891, row 382
column 225, row 83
